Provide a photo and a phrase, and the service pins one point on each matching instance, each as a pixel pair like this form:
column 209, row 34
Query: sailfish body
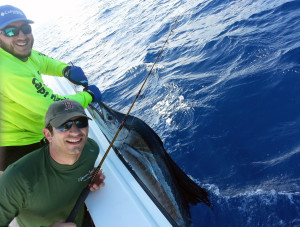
column 142, row 151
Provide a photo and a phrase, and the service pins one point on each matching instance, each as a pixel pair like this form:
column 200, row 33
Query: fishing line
column 136, row 97
column 86, row 190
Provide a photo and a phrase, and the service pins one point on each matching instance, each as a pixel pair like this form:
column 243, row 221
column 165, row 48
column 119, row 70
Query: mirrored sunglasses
column 12, row 31
column 80, row 123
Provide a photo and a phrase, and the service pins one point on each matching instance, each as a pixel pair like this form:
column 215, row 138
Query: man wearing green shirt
column 41, row 188
column 24, row 98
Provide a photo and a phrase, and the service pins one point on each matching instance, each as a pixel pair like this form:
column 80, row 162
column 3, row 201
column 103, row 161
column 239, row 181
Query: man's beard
column 10, row 49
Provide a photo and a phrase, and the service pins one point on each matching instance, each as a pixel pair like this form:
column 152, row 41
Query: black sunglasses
column 12, row 31
column 80, row 123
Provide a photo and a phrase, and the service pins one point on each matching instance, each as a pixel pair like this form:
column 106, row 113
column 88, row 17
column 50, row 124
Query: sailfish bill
column 142, row 151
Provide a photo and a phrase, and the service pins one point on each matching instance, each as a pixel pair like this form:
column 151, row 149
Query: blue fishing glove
column 94, row 92
column 76, row 75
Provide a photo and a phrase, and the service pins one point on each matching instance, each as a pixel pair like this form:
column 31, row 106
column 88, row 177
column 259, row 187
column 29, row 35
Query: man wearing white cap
column 42, row 187
column 24, row 98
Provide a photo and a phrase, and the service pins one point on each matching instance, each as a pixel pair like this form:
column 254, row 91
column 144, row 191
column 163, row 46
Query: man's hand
column 76, row 75
column 98, row 182
column 63, row 224
column 94, row 92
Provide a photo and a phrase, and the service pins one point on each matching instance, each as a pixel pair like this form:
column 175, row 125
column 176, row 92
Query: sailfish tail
column 189, row 190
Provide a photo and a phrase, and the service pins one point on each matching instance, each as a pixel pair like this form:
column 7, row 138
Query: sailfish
column 142, row 151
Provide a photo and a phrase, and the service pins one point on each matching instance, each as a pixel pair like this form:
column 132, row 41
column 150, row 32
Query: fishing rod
column 83, row 195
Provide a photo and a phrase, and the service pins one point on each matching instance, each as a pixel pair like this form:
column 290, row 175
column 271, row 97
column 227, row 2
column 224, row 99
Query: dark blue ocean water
column 224, row 97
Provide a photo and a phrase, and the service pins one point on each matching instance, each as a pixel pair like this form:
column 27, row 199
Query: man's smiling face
column 66, row 146
column 20, row 45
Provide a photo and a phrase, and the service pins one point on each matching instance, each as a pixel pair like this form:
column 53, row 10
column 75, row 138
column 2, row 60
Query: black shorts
column 9, row 155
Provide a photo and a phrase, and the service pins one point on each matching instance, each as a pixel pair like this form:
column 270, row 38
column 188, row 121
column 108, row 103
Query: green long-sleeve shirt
column 39, row 191
column 24, row 98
